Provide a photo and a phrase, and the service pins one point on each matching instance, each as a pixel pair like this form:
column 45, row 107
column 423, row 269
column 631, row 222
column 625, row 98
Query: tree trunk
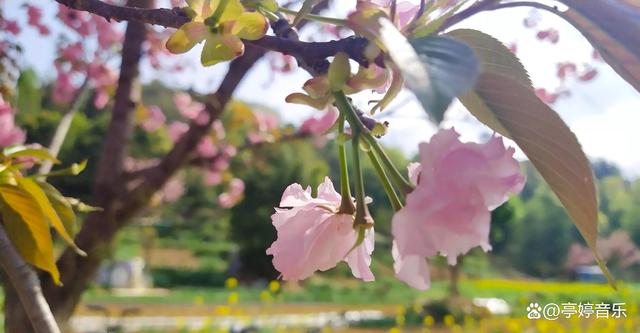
column 121, row 202
column 24, row 298
column 454, row 277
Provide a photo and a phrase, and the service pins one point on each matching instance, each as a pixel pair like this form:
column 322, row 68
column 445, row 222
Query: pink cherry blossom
column 265, row 121
column 458, row 184
column 155, row 119
column 173, row 189
column 9, row 133
column 212, row 177
column 63, row 88
column 234, row 194
column 206, row 148
column 320, row 125
column 10, row 26
column 176, row 129
column 313, row 236
column 34, row 19
column 72, row 53
column 187, row 107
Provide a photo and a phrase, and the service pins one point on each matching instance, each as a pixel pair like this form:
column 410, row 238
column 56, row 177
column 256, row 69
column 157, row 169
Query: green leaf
column 550, row 146
column 612, row 28
column 81, row 206
column 62, row 207
column 22, row 151
column 38, row 194
column 73, row 170
column 29, row 92
column 496, row 58
column 436, row 69
column 452, row 68
column 504, row 100
column 28, row 229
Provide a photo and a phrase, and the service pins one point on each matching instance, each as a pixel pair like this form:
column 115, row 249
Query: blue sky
column 603, row 113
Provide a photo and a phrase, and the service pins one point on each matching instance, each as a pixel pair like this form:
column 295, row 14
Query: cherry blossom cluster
column 10, row 134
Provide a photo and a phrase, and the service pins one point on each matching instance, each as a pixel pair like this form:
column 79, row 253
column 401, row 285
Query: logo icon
column 534, row 311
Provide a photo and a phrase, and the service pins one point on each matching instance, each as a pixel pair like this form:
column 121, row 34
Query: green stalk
column 317, row 18
column 362, row 212
column 346, row 205
column 396, row 177
column 388, row 188
column 219, row 10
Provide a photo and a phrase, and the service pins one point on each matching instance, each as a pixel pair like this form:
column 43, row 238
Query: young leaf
column 62, row 206
column 38, row 194
column 612, row 28
column 28, row 229
column 22, row 151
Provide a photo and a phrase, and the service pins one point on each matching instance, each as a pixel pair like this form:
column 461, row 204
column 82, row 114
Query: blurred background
column 191, row 262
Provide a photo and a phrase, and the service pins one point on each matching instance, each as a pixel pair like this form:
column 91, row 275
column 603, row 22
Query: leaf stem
column 317, row 18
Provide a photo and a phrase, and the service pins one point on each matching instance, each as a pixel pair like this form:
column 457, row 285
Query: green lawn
column 389, row 291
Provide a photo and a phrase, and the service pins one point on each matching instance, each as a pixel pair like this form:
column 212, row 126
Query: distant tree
column 603, row 168
column 265, row 174
column 540, row 243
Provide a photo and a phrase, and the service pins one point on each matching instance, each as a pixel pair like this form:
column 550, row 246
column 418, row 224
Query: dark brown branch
column 474, row 9
column 169, row 18
column 100, row 227
column 310, row 55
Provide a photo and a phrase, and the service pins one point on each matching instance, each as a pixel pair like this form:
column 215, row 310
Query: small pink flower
column 312, row 236
column 458, row 184
column 176, row 129
column 212, row 178
column 173, row 189
column 10, row 134
column 11, row 26
column 101, row 99
column 187, row 107
column 236, row 187
column 225, row 200
column 206, row 148
column 320, row 125
column 155, row 119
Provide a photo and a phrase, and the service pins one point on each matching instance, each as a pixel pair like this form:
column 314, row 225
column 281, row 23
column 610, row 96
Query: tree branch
column 27, row 286
column 310, row 55
column 168, row 18
column 474, row 9
column 100, row 227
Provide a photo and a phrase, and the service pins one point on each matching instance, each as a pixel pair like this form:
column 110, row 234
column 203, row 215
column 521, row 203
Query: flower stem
column 219, row 10
column 317, row 18
column 396, row 177
column 362, row 212
column 388, row 188
column 346, row 204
